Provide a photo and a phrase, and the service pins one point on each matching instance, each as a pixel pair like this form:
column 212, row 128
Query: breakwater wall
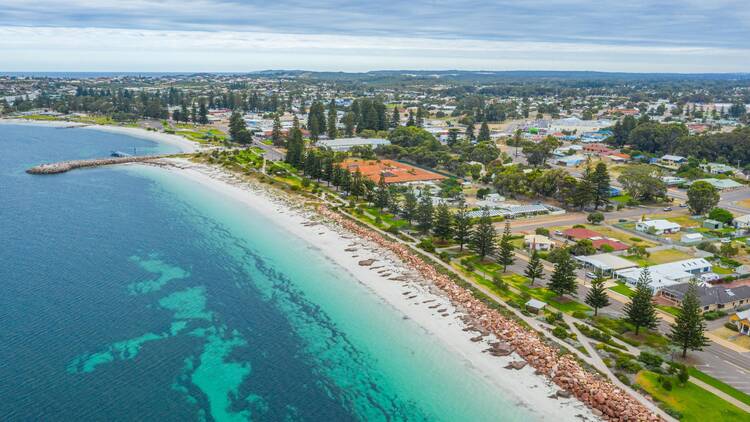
column 63, row 166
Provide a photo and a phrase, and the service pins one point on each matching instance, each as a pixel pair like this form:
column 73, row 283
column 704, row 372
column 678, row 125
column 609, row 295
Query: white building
column 669, row 274
column 345, row 144
column 657, row 227
column 742, row 222
column 607, row 263
column 691, row 238
column 538, row 242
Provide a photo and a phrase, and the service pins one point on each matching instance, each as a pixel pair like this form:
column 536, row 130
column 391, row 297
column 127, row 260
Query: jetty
column 63, row 166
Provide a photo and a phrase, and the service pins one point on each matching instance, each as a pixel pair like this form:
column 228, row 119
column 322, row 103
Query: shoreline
column 185, row 145
column 400, row 287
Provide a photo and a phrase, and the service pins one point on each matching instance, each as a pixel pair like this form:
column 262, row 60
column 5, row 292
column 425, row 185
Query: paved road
column 728, row 199
column 271, row 153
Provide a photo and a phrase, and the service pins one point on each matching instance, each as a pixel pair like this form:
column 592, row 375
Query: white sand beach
column 401, row 288
column 183, row 144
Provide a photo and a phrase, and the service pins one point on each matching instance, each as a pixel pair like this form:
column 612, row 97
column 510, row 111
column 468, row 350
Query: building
column 721, row 184
column 606, row 263
column 598, row 240
column 657, row 227
column 535, row 305
column 345, row 144
column 742, row 222
column 717, row 168
column 742, row 321
column 669, row 274
column 710, row 297
column 392, row 171
column 598, row 149
column 691, row 238
column 673, row 181
column 712, row 224
column 579, row 233
column 571, row 160
column 538, row 242
column 672, row 161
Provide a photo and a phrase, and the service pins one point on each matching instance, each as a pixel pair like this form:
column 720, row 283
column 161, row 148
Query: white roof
column 346, row 143
column 664, row 275
column 681, row 266
column 658, row 280
column 537, row 304
column 537, row 238
column 669, row 157
column 743, row 218
column 607, row 261
column 660, row 224
column 692, row 236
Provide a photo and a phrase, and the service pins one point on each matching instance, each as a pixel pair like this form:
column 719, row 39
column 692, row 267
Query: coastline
column 185, row 146
column 402, row 288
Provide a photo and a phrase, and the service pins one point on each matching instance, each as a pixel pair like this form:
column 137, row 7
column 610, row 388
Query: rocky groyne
column 63, row 166
column 607, row 400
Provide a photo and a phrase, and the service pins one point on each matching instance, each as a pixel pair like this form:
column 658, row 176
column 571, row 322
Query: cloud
column 673, row 35
column 159, row 50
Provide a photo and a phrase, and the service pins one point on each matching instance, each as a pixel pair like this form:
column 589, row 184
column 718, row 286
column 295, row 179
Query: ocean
column 130, row 293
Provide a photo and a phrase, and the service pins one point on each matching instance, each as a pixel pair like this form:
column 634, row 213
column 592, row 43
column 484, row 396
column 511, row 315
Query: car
column 667, row 208
column 623, row 220
column 590, row 274
column 726, row 240
column 558, row 233
column 683, row 205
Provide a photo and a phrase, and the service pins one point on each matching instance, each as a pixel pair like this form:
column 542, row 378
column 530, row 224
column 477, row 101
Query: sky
column 688, row 36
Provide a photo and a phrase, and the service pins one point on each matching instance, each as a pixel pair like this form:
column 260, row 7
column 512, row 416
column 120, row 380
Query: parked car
column 726, row 240
column 683, row 205
column 623, row 220
column 667, row 208
column 558, row 233
column 590, row 274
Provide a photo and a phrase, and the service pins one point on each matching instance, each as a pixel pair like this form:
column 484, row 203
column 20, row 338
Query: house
column 535, row 305
column 710, row 297
column 672, row 161
column 712, row 224
column 691, row 238
column 598, row 149
column 742, row 321
column 716, row 168
column 579, row 233
column 597, row 239
column 345, row 144
column 392, row 171
column 538, row 242
column 607, row 263
column 742, row 222
column 657, row 227
column 673, row 181
column 603, row 243
column 669, row 274
column 571, row 161
column 721, row 184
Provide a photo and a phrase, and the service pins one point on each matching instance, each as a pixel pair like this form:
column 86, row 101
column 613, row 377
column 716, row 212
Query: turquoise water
column 130, row 293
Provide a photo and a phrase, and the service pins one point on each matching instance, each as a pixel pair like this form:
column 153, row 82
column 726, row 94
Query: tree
column 349, row 121
column 483, row 237
column 563, row 279
column 583, row 247
column 470, row 132
column 295, row 152
column 395, row 118
column 238, row 130
column 424, row 212
column 506, row 253
column 643, row 183
column 601, row 182
column 687, row 331
column 382, row 197
column 276, row 136
column 484, row 133
column 535, row 268
column 720, row 214
column 443, row 227
column 597, row 297
column 409, row 209
column 462, row 225
column 640, row 311
column 202, row 113
column 595, row 217
column 702, row 197
column 331, row 123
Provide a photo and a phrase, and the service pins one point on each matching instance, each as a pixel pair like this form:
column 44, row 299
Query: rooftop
column 393, row 171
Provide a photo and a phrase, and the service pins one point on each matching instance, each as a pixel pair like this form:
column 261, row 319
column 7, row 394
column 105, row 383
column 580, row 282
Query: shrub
column 627, row 364
column 683, row 375
column 579, row 226
column 580, row 315
column 623, row 378
column 560, row 332
column 607, row 361
column 444, row 256
column 426, row 244
column 553, row 317
column 392, row 229
column 731, row 326
column 499, row 282
column 542, row 231
column 712, row 315
column 667, row 384
column 636, row 239
column 650, row 360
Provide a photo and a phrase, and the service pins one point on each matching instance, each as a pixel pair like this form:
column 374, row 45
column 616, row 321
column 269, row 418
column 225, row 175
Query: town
column 610, row 212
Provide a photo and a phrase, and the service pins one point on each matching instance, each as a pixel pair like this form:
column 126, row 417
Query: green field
column 728, row 389
column 693, row 402
column 623, row 290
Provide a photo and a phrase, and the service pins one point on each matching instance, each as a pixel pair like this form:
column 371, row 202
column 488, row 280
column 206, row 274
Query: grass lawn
column 622, row 236
column 621, row 199
column 708, row 379
column 39, row 117
column 733, row 337
column 541, row 293
column 669, row 309
column 721, row 270
column 622, row 289
column 695, row 403
column 626, row 332
column 684, row 221
column 660, row 257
